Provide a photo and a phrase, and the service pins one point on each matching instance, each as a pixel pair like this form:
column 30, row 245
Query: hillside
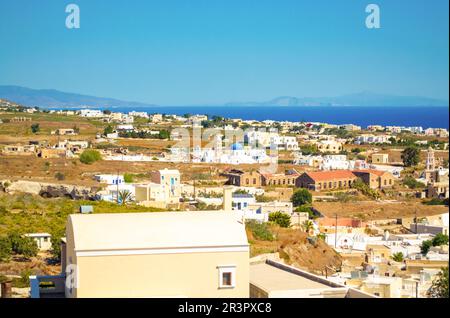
column 53, row 98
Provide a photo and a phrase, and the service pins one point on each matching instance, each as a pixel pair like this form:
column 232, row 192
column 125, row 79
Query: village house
column 91, row 113
column 326, row 180
column 19, row 150
column 329, row 146
column 376, row 179
column 213, row 252
column 43, row 240
column 54, row 153
column 380, row 158
column 65, row 132
column 372, row 139
column 280, row 179
column 164, row 190
column 110, row 179
column 241, row 178
column 20, row 119
column 156, row 118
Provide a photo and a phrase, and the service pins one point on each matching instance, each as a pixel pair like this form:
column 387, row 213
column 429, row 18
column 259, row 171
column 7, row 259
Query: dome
column 237, row 146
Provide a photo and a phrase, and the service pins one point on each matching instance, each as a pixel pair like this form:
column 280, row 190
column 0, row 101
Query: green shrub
column 260, row 231
column 128, row 177
column 90, row 156
column 440, row 239
column 301, row 197
column 25, row 246
column 412, row 183
column 280, row 218
column 5, row 249
column 398, row 257
column 35, row 128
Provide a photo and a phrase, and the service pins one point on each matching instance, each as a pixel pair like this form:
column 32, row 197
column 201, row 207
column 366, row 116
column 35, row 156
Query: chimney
column 227, row 198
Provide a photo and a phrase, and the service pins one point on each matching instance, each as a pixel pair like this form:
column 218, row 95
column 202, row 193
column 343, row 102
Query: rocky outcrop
column 49, row 190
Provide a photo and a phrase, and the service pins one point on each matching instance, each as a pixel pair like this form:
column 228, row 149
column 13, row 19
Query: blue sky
column 178, row 52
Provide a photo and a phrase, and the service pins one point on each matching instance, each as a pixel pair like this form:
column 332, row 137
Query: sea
column 426, row 117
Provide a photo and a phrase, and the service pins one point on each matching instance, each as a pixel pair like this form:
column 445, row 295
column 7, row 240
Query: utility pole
column 415, row 218
column 335, row 231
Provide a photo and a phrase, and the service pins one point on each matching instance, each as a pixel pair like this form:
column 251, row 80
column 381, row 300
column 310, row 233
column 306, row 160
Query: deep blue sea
column 435, row 117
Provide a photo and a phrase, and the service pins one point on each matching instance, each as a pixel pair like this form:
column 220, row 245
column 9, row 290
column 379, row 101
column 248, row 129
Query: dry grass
column 373, row 210
column 294, row 247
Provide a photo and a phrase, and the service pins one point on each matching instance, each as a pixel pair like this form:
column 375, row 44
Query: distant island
column 53, row 98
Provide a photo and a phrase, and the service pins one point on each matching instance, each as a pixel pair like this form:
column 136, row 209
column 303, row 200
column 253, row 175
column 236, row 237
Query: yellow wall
column 163, row 275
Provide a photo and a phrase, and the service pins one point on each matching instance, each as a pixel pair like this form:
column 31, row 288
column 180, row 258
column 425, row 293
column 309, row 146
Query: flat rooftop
column 271, row 278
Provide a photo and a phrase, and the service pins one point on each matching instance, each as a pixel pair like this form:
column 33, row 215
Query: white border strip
column 242, row 248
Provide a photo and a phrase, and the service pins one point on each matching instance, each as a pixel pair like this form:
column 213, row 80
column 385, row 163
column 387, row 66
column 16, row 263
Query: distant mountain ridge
column 53, row 98
column 360, row 99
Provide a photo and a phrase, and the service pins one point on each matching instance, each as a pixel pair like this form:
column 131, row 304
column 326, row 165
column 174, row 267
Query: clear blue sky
column 178, row 52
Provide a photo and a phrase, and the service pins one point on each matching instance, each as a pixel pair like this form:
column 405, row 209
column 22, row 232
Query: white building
column 92, row 113
column 372, row 139
column 110, row 179
column 43, row 240
column 138, row 114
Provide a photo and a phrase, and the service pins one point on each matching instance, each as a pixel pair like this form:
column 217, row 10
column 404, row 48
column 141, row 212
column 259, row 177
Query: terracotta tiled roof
column 330, row 175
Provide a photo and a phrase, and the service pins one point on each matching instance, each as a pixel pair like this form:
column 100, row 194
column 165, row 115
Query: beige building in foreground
column 168, row 254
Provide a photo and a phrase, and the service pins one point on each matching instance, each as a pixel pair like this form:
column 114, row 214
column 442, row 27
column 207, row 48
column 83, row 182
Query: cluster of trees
column 438, row 240
column 301, row 200
column 16, row 244
column 411, row 156
column 163, row 134
column 280, row 218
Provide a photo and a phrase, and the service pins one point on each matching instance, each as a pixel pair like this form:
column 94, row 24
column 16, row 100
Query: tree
column 164, row 134
column 425, row 247
column 5, row 249
column 90, row 156
column 301, row 197
column 398, row 257
column 56, row 247
column 440, row 239
column 411, row 156
column 108, row 130
column 280, row 218
column 124, row 197
column 107, row 112
column 439, row 288
column 35, row 128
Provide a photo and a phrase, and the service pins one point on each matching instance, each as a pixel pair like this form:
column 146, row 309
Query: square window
column 227, row 276
column 226, row 279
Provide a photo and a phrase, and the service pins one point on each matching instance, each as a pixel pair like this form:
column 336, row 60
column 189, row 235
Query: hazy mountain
column 360, row 99
column 53, row 98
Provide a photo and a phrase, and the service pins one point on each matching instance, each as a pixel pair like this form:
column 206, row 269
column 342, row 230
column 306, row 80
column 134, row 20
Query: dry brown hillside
column 295, row 249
